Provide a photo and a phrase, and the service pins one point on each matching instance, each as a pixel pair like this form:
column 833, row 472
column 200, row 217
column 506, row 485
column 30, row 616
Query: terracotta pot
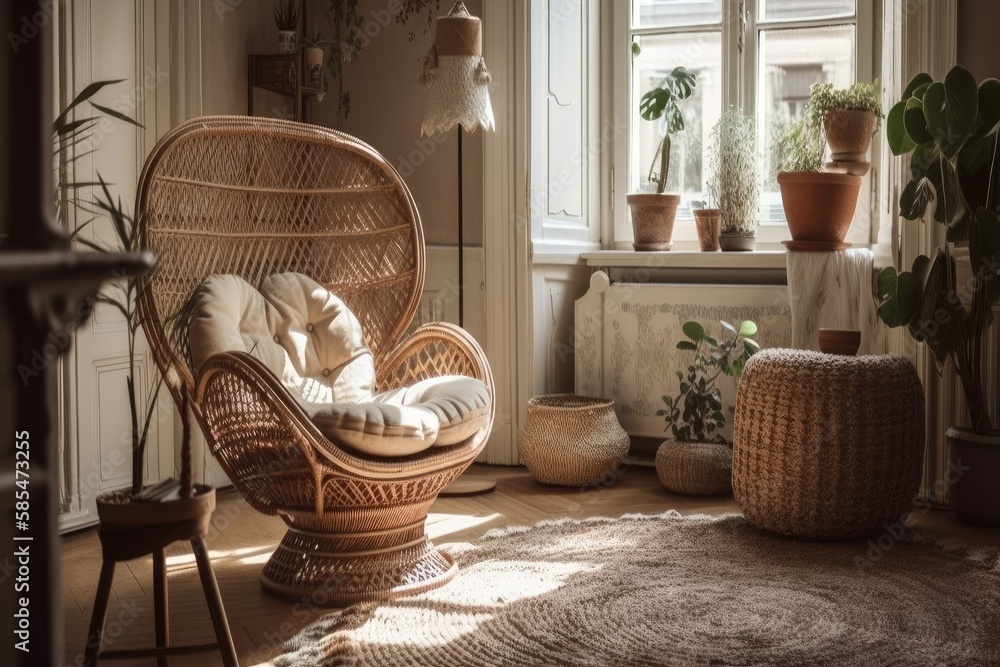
column 849, row 133
column 839, row 341
column 730, row 242
column 653, row 220
column 973, row 464
column 708, row 222
column 819, row 206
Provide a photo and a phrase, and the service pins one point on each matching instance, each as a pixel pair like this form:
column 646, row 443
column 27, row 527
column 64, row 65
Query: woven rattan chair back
column 257, row 196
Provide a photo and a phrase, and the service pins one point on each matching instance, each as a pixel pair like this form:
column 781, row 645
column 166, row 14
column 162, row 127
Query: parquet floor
column 242, row 539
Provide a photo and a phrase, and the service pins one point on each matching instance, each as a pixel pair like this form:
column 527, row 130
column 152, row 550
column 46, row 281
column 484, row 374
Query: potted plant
column 653, row 213
column 733, row 179
column 819, row 206
column 72, row 136
column 698, row 460
column 951, row 127
column 286, row 18
column 313, row 57
column 707, row 221
column 849, row 117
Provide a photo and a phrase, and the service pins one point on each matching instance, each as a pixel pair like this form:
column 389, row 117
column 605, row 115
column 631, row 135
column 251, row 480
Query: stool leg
column 214, row 599
column 161, row 605
column 93, row 646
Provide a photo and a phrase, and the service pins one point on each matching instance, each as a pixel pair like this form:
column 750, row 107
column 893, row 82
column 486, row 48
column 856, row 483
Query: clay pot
column 708, row 222
column 653, row 220
column 839, row 341
column 819, row 206
column 849, row 133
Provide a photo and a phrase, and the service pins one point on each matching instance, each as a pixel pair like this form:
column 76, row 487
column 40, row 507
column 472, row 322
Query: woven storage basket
column 825, row 446
column 695, row 468
column 572, row 440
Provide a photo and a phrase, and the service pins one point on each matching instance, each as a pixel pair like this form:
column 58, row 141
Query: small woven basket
column 826, row 446
column 695, row 468
column 570, row 440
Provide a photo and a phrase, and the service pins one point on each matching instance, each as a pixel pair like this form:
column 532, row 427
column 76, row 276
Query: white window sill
column 683, row 259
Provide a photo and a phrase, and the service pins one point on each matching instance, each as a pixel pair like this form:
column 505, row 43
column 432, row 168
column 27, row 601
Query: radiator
column 626, row 336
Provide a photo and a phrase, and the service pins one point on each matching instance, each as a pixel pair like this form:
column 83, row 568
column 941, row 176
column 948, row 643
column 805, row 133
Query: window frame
column 740, row 78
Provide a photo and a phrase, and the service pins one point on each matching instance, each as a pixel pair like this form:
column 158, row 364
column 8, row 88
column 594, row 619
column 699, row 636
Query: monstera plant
column 951, row 129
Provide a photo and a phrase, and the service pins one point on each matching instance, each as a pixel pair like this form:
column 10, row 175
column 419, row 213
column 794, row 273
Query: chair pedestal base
column 336, row 570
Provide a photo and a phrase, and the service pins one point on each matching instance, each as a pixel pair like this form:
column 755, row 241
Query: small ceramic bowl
column 839, row 341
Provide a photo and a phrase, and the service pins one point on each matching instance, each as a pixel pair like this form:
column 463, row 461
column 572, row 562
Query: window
column 760, row 55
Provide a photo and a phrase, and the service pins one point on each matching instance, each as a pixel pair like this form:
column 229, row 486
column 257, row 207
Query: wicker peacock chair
column 255, row 197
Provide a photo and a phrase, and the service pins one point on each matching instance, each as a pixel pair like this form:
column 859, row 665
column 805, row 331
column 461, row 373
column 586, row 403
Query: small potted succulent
column 698, row 459
column 653, row 213
column 849, row 117
column 286, row 18
column 819, row 205
column 952, row 127
column 733, row 179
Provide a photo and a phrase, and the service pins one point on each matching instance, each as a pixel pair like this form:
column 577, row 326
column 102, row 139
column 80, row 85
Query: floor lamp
column 459, row 95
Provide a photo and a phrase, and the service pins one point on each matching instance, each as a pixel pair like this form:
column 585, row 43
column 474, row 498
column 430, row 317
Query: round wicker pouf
column 570, row 440
column 695, row 468
column 826, row 446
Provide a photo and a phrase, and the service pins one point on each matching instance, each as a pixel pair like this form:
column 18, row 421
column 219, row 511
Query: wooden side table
column 281, row 74
column 121, row 542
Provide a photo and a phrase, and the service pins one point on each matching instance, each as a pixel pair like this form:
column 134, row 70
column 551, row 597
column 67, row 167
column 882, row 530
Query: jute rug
column 684, row 591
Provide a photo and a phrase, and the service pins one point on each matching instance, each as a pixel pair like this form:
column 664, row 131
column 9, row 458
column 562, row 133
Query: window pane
column 771, row 10
column 790, row 62
column 666, row 13
column 700, row 52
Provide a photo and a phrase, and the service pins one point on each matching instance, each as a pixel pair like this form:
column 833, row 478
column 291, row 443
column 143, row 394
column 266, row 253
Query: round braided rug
column 674, row 590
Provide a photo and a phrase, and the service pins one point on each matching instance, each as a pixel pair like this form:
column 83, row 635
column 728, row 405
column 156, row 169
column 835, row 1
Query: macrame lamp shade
column 457, row 76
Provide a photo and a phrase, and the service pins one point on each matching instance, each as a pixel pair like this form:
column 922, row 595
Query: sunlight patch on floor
column 440, row 524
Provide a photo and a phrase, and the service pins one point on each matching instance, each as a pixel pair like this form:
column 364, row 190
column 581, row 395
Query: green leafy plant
column 662, row 103
column 798, row 146
column 73, row 139
column 733, row 181
column 860, row 96
column 951, row 128
column 286, row 15
column 696, row 413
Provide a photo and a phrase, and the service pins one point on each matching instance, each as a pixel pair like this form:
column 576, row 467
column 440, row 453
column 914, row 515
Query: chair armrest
column 434, row 350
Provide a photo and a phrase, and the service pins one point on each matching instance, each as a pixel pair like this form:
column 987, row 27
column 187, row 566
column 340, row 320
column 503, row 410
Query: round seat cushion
column 827, row 446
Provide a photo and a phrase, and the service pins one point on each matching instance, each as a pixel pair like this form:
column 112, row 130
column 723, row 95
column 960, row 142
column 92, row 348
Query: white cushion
column 439, row 411
column 310, row 339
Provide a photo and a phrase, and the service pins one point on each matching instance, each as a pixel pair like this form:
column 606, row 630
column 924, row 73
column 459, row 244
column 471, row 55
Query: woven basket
column 695, row 468
column 825, row 446
column 572, row 440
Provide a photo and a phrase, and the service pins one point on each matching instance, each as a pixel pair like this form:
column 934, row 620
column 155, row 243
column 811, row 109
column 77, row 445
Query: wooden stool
column 131, row 539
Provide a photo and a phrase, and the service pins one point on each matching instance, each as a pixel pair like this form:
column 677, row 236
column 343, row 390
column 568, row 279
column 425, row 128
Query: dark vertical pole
column 461, row 238
column 29, row 510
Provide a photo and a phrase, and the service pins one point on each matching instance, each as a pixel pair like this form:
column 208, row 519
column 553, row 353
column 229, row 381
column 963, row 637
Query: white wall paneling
column 556, row 289
column 439, row 301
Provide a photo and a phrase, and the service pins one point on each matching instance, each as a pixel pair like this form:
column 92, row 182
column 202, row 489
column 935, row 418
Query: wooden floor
column 242, row 539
